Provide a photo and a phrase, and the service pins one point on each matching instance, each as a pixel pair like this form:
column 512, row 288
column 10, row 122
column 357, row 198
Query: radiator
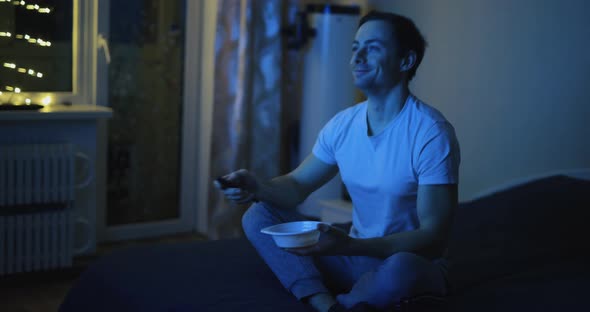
column 36, row 199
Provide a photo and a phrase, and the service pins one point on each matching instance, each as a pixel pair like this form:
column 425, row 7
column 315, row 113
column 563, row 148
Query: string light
column 31, row 7
column 27, row 38
column 23, row 70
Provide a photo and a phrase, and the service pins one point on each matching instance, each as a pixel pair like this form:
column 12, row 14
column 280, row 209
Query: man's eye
column 373, row 48
column 354, row 48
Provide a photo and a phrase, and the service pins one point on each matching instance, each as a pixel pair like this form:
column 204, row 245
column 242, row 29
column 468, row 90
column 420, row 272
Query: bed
column 522, row 247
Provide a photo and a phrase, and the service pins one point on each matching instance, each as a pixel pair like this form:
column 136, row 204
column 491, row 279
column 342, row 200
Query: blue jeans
column 353, row 279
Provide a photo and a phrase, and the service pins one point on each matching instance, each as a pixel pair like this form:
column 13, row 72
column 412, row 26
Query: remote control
column 224, row 183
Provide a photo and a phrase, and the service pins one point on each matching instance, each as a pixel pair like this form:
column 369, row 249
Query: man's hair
column 405, row 32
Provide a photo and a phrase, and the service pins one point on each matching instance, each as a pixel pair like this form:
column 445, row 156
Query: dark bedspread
column 522, row 249
column 225, row 275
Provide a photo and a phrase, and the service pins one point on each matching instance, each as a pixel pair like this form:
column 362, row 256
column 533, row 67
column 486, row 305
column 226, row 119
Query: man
column 398, row 158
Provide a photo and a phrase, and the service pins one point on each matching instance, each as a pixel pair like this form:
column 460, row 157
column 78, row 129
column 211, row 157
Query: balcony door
column 148, row 72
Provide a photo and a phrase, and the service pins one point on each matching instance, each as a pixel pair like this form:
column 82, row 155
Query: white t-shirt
column 382, row 172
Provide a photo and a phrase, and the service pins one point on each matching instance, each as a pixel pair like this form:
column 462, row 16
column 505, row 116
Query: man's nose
column 359, row 57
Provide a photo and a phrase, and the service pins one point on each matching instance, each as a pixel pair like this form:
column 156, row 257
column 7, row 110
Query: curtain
column 247, row 101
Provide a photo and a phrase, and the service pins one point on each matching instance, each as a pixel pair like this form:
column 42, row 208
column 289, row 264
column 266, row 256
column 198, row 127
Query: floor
column 44, row 291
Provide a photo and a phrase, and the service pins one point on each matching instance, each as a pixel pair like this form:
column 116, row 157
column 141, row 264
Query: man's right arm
column 292, row 189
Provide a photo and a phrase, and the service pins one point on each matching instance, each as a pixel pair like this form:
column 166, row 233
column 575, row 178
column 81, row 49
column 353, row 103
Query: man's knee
column 413, row 275
column 401, row 264
column 402, row 261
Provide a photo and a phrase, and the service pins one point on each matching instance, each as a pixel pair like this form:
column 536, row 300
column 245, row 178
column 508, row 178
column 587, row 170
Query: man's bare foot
column 321, row 301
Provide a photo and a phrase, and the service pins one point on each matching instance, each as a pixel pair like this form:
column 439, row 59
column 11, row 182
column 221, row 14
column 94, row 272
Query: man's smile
column 358, row 72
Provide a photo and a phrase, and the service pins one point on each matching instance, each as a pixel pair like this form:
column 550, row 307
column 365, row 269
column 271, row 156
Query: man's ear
column 409, row 61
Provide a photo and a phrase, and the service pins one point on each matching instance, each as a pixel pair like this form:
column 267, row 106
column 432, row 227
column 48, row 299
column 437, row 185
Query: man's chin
column 362, row 84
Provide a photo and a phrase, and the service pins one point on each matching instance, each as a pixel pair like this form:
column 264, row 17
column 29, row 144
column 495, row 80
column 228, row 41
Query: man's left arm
column 435, row 207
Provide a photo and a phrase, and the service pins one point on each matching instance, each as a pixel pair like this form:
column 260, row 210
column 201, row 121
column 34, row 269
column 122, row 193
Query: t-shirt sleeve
column 439, row 157
column 323, row 148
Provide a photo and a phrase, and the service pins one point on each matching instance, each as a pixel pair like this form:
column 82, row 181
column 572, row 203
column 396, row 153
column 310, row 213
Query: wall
column 513, row 78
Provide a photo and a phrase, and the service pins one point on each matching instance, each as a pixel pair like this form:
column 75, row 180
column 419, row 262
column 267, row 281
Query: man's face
column 375, row 58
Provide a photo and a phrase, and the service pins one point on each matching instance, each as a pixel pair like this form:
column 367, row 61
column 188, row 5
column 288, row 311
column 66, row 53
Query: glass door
column 146, row 46
column 142, row 78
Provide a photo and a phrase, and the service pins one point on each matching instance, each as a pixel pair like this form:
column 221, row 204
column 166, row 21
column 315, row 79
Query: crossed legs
column 354, row 279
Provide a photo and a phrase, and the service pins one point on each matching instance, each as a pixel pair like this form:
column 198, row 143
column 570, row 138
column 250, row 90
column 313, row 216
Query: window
column 46, row 51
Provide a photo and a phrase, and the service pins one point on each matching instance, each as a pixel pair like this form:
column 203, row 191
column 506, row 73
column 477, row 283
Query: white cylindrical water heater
column 327, row 84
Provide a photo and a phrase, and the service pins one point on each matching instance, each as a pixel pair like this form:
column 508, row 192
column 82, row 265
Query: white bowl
column 294, row 234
